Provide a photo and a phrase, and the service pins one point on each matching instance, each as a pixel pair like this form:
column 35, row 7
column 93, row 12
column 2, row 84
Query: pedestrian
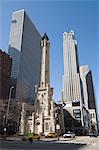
column 38, row 138
column 30, row 136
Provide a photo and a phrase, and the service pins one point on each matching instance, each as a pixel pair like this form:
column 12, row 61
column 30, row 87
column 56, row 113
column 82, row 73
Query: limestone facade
column 41, row 119
column 44, row 106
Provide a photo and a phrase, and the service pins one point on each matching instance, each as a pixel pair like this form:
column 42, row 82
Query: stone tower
column 44, row 105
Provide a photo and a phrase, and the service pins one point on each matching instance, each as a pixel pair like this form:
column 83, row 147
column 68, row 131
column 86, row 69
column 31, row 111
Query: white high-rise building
column 71, row 80
column 72, row 87
column 24, row 48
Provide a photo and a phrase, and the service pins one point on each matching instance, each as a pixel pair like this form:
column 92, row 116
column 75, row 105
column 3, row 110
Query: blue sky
column 55, row 17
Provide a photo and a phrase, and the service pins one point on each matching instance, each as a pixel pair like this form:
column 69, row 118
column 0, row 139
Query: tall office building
column 89, row 95
column 72, row 87
column 5, row 72
column 24, row 48
column 71, row 78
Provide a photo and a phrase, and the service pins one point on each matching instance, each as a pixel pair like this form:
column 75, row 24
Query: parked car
column 52, row 135
column 69, row 134
column 36, row 136
column 93, row 134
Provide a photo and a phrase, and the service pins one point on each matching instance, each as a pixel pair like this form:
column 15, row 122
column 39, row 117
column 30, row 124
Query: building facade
column 89, row 94
column 5, row 72
column 72, row 85
column 44, row 115
column 24, row 48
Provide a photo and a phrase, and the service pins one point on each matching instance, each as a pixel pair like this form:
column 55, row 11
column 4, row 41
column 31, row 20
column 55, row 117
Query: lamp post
column 9, row 103
column 58, row 125
column 58, row 109
column 8, row 106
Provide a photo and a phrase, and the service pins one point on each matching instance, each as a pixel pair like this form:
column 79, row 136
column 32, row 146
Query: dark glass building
column 24, row 48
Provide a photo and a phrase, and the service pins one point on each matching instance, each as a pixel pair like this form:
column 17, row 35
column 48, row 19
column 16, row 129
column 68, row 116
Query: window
column 47, row 126
column 77, row 113
column 28, row 113
column 14, row 21
column 76, row 103
column 38, row 123
column 93, row 115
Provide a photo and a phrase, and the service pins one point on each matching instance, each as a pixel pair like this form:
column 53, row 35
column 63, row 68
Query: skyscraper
column 71, row 78
column 72, row 87
column 24, row 48
column 89, row 95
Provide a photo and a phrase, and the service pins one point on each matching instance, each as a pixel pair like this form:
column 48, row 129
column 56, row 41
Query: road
column 79, row 143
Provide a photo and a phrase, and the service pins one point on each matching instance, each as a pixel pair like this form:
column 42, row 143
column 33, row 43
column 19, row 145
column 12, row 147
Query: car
column 36, row 136
column 69, row 134
column 93, row 134
column 52, row 135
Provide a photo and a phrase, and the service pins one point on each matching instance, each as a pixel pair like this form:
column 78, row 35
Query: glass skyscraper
column 24, row 48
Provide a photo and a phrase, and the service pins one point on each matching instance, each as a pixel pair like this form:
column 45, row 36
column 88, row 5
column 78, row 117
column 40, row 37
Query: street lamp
column 58, row 123
column 9, row 103
column 58, row 117
column 6, row 117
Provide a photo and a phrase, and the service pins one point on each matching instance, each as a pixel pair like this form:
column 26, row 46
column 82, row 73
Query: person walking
column 30, row 136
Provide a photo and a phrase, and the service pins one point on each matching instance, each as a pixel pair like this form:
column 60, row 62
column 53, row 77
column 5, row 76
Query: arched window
column 38, row 123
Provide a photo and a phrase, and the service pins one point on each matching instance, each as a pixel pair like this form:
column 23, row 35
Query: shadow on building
column 73, row 125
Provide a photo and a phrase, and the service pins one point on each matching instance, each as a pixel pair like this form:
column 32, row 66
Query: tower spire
column 45, row 67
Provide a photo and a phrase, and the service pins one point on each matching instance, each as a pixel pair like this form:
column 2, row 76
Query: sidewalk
column 78, row 139
column 19, row 138
column 10, row 138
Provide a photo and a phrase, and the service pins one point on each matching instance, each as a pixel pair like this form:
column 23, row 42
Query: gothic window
column 47, row 126
column 28, row 113
column 93, row 115
column 37, row 102
column 38, row 123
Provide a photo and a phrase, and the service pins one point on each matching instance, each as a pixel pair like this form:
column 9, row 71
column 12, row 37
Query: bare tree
column 13, row 115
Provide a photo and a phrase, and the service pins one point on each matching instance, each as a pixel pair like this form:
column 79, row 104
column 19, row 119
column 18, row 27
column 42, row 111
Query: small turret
column 45, row 37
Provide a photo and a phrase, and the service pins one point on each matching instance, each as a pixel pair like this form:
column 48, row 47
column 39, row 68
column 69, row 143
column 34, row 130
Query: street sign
column 57, row 126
